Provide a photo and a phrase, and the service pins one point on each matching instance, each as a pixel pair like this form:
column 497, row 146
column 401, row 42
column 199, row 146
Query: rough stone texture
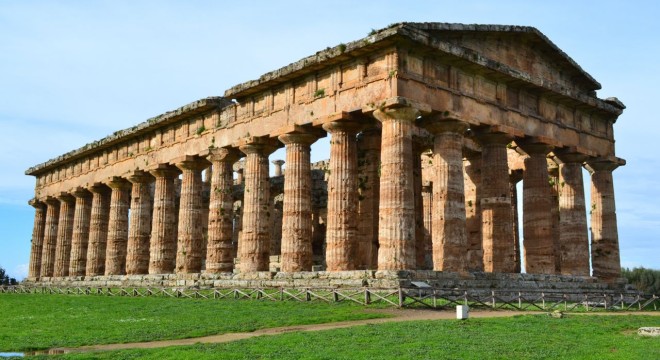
column 254, row 242
column 472, row 186
column 515, row 176
column 604, row 234
column 38, row 231
column 649, row 331
column 573, row 232
column 427, row 203
column 81, row 232
column 537, row 217
column 219, row 251
column 341, row 230
column 190, row 237
column 162, row 249
column 64, row 235
column 98, row 230
column 420, row 245
column 297, row 210
column 368, row 191
column 396, row 212
column 139, row 231
column 553, row 179
column 115, row 257
column 449, row 217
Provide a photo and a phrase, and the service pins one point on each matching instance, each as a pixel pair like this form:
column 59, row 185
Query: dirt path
column 398, row 315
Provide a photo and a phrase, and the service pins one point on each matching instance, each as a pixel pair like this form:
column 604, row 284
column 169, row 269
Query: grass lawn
column 36, row 321
column 520, row 337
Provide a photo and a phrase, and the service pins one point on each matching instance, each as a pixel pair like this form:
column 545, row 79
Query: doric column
column 64, row 234
column 368, row 148
column 573, row 231
column 515, row 176
column 50, row 237
column 219, row 251
column 162, row 248
column 553, row 179
column 81, row 223
column 604, row 234
column 396, row 213
column 38, row 231
column 98, row 230
column 297, row 205
column 139, row 231
column 472, row 185
column 496, row 217
column 427, row 204
column 420, row 246
column 115, row 258
column 341, row 228
column 254, row 244
column 278, row 166
column 537, row 215
column 450, row 245
column 190, row 236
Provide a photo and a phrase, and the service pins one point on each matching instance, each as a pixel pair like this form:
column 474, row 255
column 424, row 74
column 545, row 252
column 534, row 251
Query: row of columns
column 87, row 232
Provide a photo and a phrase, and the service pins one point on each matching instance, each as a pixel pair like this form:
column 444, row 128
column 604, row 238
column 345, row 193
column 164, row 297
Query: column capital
column 398, row 107
column 257, row 145
column 223, row 154
column 99, row 188
column 140, row 177
column 349, row 126
column 164, row 170
column 569, row 155
column 81, row 192
column 535, row 145
column 443, row 122
column 117, row 182
column 297, row 134
column 496, row 134
column 66, row 197
column 604, row 164
column 190, row 162
column 36, row 203
column 52, row 201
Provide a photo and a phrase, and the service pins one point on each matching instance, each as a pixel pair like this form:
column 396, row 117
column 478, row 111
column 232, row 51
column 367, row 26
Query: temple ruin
column 430, row 126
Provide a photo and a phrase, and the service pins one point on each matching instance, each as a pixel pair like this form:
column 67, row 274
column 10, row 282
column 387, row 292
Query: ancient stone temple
column 430, row 128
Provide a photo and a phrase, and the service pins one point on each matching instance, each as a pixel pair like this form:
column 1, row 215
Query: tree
column 5, row 279
column 645, row 280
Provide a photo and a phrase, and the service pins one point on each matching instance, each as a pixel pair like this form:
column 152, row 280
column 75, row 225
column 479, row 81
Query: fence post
column 402, row 298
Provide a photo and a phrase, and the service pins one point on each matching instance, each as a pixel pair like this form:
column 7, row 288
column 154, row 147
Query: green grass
column 36, row 321
column 520, row 337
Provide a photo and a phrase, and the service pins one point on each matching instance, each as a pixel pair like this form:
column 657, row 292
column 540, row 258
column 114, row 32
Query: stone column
column 50, row 237
column 98, row 230
column 139, row 231
column 341, row 228
column 368, row 148
column 219, row 251
column 553, row 173
column 497, row 222
column 278, row 166
column 254, row 244
column 64, row 234
column 515, row 176
column 604, row 234
column 420, row 245
column 297, row 205
column 396, row 213
column 38, row 231
column 450, row 245
column 573, row 232
column 190, row 238
column 162, row 249
column 81, row 230
column 427, row 203
column 115, row 258
column 472, row 185
column 538, row 240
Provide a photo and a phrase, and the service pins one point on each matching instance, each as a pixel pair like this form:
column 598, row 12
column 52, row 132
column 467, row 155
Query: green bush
column 645, row 280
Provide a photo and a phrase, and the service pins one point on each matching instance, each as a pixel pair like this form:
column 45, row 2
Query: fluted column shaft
column 604, row 233
column 297, row 206
column 219, row 251
column 38, row 231
column 368, row 148
column 427, row 205
column 139, row 231
column 496, row 215
column 64, row 235
column 190, row 236
column 162, row 248
column 341, row 230
column 396, row 227
column 98, row 230
column 420, row 245
column 50, row 237
column 537, row 215
column 254, row 244
column 115, row 258
column 81, row 227
column 573, row 232
column 472, row 184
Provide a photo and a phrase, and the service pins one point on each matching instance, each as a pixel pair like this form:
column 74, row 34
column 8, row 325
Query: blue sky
column 75, row 71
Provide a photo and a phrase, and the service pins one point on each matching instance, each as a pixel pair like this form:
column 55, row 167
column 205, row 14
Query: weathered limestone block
column 341, row 229
column 573, row 232
column 368, row 148
column 139, row 232
column 472, row 185
column 115, row 258
column 396, row 227
column 162, row 249
column 64, row 234
column 81, row 232
column 254, row 243
column 38, row 231
column 190, row 236
column 219, row 251
column 605, row 259
column 98, row 230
